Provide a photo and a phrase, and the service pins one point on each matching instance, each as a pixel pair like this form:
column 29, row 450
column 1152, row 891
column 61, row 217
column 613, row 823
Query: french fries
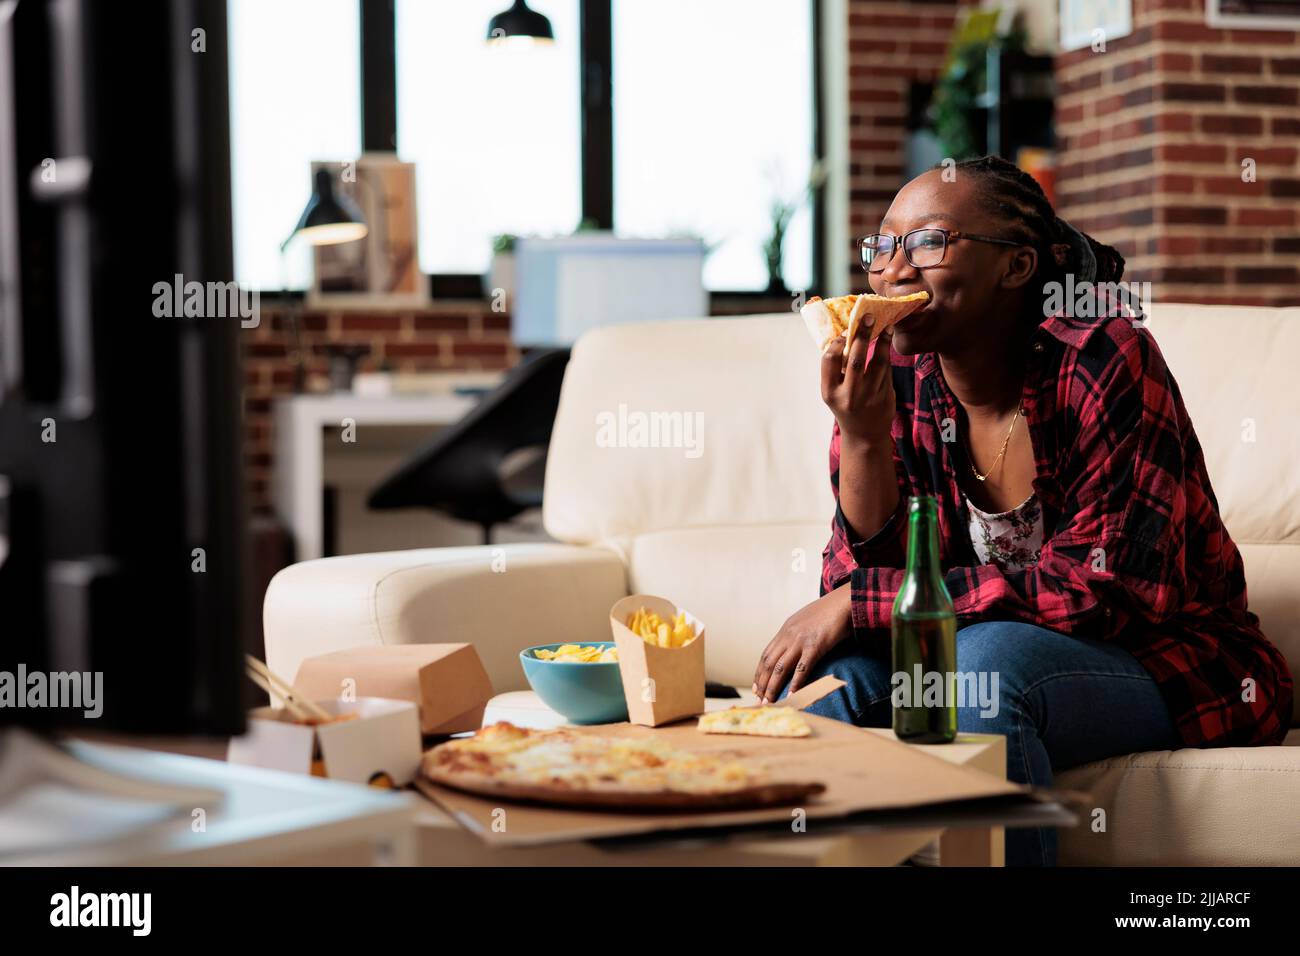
column 577, row 654
column 651, row 628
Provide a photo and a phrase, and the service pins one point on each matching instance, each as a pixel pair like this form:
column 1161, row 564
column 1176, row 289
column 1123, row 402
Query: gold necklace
column 1006, row 441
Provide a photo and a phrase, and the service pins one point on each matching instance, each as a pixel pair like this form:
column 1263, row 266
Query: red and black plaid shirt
column 1134, row 549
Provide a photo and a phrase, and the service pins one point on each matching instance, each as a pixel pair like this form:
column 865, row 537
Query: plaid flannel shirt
column 1134, row 548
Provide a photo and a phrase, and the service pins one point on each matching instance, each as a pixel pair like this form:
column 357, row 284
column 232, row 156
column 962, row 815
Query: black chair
column 489, row 466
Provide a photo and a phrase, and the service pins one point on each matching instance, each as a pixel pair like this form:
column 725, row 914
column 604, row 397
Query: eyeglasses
column 924, row 248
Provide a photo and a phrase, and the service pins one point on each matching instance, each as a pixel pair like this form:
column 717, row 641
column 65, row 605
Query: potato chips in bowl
column 578, row 653
column 579, row 681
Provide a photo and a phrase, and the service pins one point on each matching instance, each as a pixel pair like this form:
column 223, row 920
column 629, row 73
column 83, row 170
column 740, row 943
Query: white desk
column 299, row 424
column 264, row 817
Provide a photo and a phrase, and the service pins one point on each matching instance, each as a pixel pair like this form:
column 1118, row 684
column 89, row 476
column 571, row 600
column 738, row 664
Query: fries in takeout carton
column 662, row 667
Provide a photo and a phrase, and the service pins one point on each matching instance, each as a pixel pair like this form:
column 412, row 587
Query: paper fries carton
column 446, row 681
column 383, row 738
column 661, row 684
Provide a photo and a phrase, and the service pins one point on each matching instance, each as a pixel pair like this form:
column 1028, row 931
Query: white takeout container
column 383, row 739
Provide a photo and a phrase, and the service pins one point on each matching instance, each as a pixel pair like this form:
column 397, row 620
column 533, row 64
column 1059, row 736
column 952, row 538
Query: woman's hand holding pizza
column 860, row 391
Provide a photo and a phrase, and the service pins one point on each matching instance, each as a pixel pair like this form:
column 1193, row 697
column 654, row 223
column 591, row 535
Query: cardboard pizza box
column 866, row 777
column 661, row 684
column 447, row 682
column 383, row 738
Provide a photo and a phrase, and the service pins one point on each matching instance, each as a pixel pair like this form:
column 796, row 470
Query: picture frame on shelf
column 383, row 269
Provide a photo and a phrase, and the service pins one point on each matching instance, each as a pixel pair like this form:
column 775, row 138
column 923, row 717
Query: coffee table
column 443, row 842
column 259, row 818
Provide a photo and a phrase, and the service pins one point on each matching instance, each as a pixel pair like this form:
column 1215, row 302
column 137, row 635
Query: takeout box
column 661, row 684
column 447, row 682
column 867, row 777
column 383, row 738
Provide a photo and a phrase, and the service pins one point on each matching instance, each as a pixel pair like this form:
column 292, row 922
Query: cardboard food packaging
column 383, row 739
column 661, row 684
column 864, row 772
column 447, row 682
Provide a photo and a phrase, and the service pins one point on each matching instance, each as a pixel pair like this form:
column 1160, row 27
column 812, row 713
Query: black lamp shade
column 519, row 21
column 328, row 217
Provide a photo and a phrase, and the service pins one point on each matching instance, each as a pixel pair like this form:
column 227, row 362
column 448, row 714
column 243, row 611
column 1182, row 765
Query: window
column 494, row 131
column 713, row 120
column 295, row 96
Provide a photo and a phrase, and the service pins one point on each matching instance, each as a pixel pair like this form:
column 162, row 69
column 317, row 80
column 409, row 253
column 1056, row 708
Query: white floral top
column 1011, row 540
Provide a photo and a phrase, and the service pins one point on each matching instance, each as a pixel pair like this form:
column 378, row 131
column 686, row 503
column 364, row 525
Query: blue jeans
column 1061, row 701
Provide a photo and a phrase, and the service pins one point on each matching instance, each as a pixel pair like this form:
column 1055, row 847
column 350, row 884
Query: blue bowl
column 581, row 693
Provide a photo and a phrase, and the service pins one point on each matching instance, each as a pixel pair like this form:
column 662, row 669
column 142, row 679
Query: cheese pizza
column 568, row 767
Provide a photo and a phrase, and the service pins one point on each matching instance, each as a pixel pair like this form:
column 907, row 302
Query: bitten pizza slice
column 756, row 722
column 827, row 319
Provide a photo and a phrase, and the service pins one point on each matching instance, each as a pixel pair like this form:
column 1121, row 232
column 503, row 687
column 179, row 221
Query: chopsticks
column 282, row 690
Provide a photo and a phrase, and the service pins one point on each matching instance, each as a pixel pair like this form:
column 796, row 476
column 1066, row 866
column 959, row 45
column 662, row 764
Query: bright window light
column 493, row 129
column 295, row 96
column 713, row 120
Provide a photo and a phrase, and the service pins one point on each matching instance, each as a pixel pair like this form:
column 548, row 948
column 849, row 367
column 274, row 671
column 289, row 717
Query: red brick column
column 1152, row 137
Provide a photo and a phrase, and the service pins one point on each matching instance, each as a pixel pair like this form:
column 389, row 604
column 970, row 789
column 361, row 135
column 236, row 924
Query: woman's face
column 976, row 291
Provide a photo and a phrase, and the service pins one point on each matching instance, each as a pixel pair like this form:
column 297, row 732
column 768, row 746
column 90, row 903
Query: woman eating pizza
column 1080, row 537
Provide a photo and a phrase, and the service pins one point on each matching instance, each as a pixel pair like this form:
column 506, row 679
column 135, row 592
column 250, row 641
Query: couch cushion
column 1273, row 591
column 1235, row 367
column 1234, row 806
column 751, row 383
column 741, row 582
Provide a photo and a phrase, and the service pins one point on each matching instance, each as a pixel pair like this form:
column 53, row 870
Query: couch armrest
column 501, row 599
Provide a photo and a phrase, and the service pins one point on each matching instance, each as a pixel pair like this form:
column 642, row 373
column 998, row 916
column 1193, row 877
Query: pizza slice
column 827, row 319
column 756, row 722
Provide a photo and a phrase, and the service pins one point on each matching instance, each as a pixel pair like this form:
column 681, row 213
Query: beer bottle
column 924, row 631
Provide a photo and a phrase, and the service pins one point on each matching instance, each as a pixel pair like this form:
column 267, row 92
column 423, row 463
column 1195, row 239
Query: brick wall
column 891, row 45
column 457, row 335
column 1152, row 134
column 449, row 335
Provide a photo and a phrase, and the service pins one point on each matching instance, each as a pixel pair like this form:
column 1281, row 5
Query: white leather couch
column 733, row 530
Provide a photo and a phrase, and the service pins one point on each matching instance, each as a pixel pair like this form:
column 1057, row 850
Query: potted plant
column 781, row 212
column 958, row 106
column 501, row 273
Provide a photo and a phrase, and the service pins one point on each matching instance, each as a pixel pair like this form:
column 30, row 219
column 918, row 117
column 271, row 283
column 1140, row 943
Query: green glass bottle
column 924, row 629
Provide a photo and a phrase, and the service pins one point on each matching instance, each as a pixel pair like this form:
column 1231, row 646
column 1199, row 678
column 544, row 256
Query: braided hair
column 1014, row 196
